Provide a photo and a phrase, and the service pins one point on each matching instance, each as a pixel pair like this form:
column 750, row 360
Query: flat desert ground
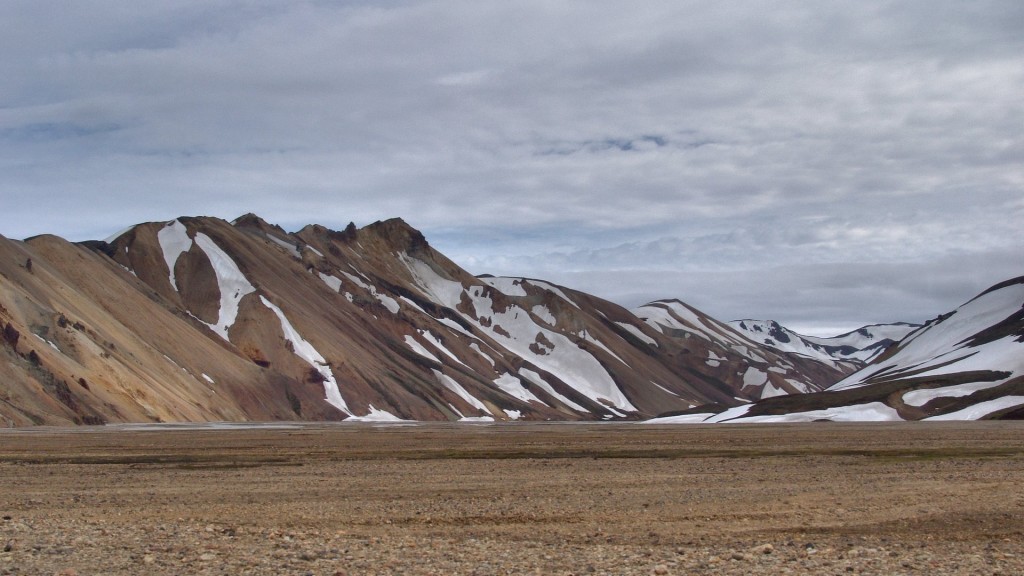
column 523, row 498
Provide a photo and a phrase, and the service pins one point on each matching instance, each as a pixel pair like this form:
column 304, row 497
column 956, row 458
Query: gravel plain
column 524, row 498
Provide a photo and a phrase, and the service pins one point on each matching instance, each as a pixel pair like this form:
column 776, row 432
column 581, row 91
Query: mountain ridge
column 201, row 319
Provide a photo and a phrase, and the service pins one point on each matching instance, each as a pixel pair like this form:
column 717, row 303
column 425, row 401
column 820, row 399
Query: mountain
column 765, row 370
column 964, row 365
column 199, row 319
column 848, row 351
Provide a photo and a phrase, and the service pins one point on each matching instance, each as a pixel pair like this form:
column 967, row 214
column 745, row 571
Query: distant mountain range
column 964, row 365
column 850, row 350
column 199, row 319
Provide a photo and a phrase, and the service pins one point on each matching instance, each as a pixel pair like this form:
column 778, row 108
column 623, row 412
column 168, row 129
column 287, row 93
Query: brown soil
column 911, row 498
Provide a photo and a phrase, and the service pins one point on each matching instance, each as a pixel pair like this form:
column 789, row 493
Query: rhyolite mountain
column 199, row 319
column 851, row 350
column 964, row 365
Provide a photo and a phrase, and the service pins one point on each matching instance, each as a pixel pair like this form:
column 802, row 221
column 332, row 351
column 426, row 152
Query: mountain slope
column 964, row 365
column 201, row 319
column 848, row 351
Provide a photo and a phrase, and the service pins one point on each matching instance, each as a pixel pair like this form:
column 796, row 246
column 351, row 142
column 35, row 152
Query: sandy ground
column 825, row 498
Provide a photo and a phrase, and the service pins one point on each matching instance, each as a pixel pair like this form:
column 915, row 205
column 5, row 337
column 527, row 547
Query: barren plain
column 525, row 498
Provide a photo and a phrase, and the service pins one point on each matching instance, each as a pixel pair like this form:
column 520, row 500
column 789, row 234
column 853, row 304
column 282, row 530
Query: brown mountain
column 199, row 319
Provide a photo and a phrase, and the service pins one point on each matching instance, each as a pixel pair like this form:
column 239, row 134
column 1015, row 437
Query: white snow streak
column 543, row 385
column 461, row 392
column 638, row 333
column 305, row 350
column 511, row 385
column 174, row 241
column 232, row 283
column 420, row 349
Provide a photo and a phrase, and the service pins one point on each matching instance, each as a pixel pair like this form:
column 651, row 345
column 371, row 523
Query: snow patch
column 870, row 412
column 638, row 333
column 544, row 314
column 754, row 377
column 305, row 350
column 174, row 242
column 420, row 349
column 511, row 385
column 982, row 409
column 459, row 391
column 232, row 283
column 700, row 418
column 289, row 246
column 333, row 282
column 537, row 380
column 921, row 397
column 376, row 415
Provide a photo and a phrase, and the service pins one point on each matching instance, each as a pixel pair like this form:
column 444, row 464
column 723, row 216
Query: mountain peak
column 399, row 234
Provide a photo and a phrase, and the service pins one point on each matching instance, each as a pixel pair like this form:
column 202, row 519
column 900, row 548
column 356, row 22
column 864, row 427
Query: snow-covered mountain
column 765, row 371
column 200, row 319
column 848, row 351
column 964, row 365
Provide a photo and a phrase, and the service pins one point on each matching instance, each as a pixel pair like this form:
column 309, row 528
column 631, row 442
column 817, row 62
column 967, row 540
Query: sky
column 823, row 164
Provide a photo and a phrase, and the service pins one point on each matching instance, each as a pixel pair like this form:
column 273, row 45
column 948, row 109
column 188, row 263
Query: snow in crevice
column 174, row 242
column 289, row 246
column 475, row 347
column 232, row 283
column 585, row 335
column 420, row 348
column 333, row 282
column 666, row 390
column 436, row 342
column 638, row 333
column 413, row 304
column 305, row 350
column 512, row 414
column 538, row 381
column 459, row 391
column 51, row 344
column 511, row 385
column 387, row 301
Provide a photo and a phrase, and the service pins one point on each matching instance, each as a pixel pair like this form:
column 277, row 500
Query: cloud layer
column 824, row 164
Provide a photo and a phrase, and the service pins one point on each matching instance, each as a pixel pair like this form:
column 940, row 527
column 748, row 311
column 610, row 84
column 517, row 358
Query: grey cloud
column 677, row 137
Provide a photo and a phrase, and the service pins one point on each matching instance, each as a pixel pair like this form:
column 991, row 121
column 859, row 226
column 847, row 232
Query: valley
column 515, row 498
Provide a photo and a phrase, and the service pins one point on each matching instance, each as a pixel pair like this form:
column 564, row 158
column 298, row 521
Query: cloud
column 676, row 137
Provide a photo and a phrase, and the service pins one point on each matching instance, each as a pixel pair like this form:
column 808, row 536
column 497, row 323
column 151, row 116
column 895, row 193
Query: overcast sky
column 825, row 164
